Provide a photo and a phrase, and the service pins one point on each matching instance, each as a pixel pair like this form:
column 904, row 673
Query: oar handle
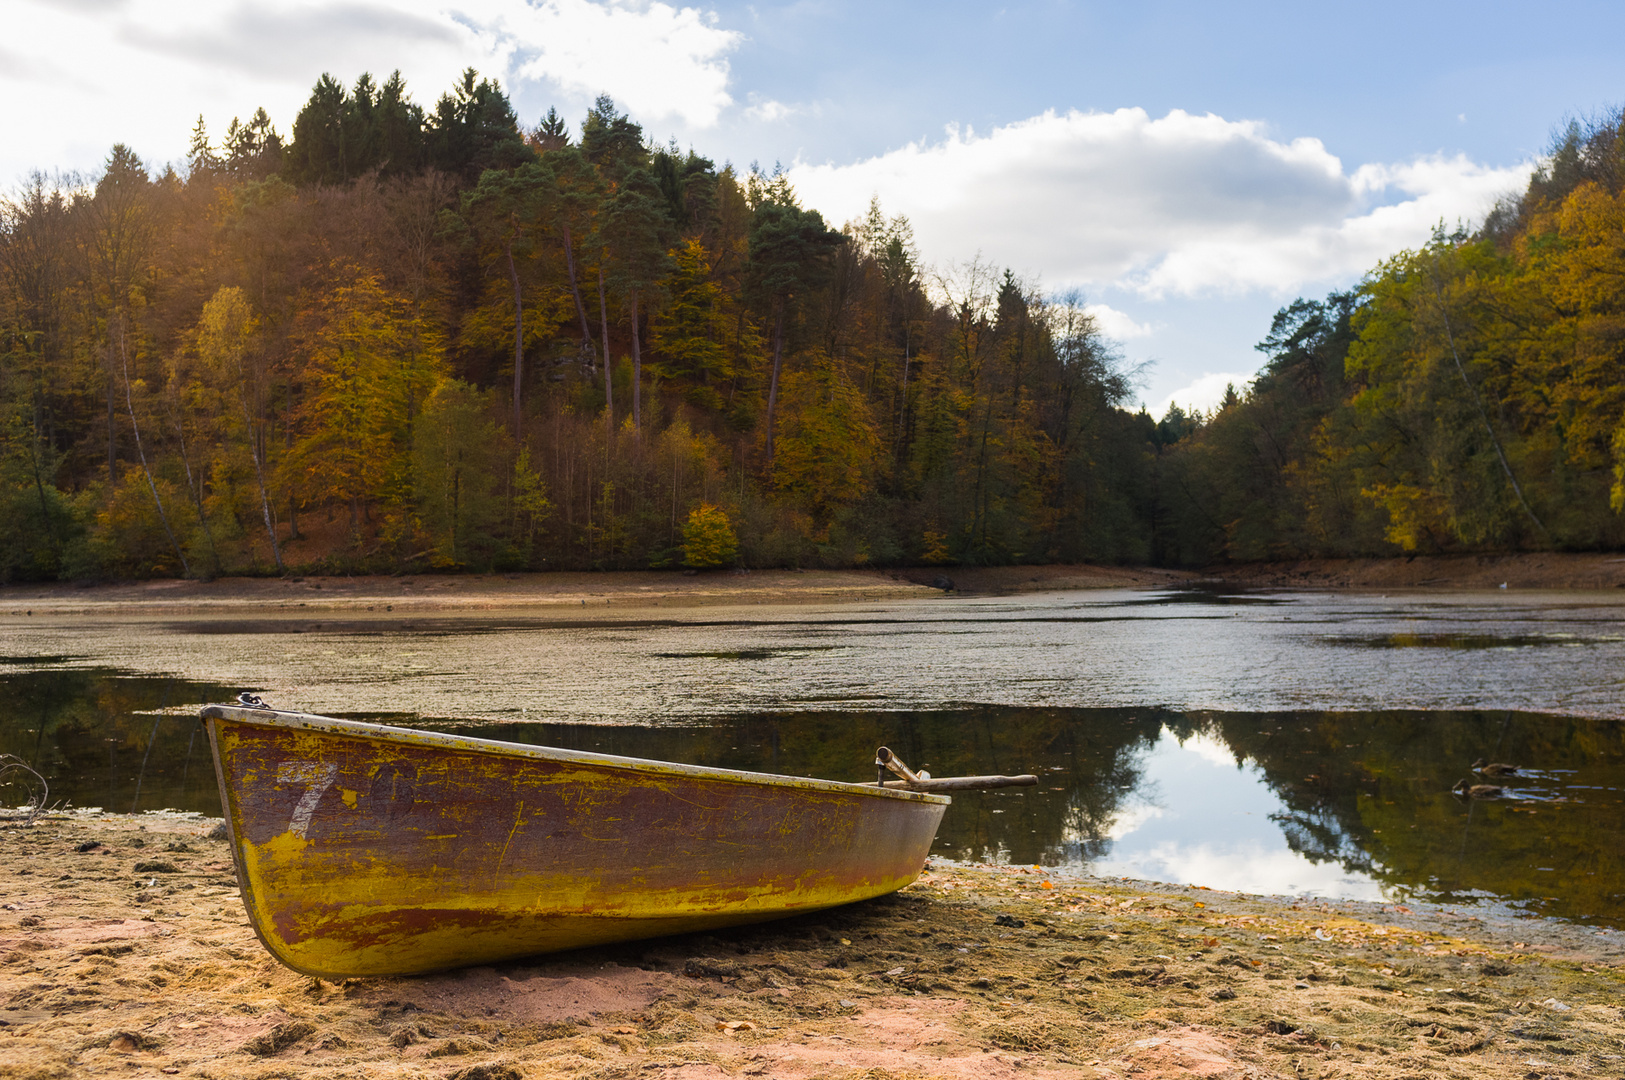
column 964, row 783
column 888, row 760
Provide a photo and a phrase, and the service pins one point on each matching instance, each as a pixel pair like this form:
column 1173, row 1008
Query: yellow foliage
column 1412, row 512
column 530, row 501
column 709, row 540
column 372, row 366
column 1616, row 495
column 827, row 449
column 934, row 548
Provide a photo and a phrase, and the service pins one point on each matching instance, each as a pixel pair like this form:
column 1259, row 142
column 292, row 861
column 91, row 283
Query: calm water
column 1266, row 743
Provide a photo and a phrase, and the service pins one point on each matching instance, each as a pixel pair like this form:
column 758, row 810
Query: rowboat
column 367, row 850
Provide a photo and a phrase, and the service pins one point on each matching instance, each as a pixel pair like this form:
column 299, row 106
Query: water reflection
column 1200, row 816
column 1345, row 804
column 124, row 743
column 1468, row 641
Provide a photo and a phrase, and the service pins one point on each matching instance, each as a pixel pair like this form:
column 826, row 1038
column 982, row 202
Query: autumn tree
column 226, row 348
column 457, row 463
column 355, row 443
column 789, row 249
column 708, row 538
column 507, row 208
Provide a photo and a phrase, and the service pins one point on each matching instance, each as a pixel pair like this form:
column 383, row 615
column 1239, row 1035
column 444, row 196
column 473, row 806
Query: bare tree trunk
column 112, row 441
column 609, row 374
column 518, row 337
column 902, row 404
column 637, row 371
column 141, row 453
column 575, row 291
column 773, row 381
column 259, row 467
column 195, row 490
column 39, row 488
column 1478, row 404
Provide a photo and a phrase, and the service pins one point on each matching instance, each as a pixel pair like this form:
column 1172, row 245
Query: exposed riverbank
column 1532, row 570
column 124, row 951
column 561, row 591
column 449, row 593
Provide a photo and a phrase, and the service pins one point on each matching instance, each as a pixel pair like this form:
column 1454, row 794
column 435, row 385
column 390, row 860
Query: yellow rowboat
column 370, row 850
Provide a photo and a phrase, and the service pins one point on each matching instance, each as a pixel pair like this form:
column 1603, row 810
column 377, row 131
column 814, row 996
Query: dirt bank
column 558, row 592
column 124, row 952
column 542, row 593
column 1588, row 571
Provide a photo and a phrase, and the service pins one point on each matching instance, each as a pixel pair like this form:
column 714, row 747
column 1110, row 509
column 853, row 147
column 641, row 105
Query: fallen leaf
column 733, row 1026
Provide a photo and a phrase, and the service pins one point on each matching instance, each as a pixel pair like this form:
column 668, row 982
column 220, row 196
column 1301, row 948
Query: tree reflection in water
column 1362, row 796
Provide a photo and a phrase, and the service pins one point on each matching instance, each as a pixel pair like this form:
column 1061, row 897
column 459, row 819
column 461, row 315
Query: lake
column 1260, row 742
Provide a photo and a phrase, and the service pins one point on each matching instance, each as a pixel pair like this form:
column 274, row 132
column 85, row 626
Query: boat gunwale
column 297, row 721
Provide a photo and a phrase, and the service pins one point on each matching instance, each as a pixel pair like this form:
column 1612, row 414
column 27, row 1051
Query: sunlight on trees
column 409, row 336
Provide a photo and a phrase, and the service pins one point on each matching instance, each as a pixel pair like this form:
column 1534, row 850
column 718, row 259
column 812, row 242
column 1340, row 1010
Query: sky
column 1188, row 168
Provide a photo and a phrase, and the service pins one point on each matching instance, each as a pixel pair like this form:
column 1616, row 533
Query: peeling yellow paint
column 555, row 851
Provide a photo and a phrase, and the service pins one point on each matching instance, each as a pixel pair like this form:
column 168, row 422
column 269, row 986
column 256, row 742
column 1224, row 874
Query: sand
column 574, row 594
column 124, row 951
column 611, row 593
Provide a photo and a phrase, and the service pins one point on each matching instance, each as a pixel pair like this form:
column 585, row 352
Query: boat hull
column 364, row 850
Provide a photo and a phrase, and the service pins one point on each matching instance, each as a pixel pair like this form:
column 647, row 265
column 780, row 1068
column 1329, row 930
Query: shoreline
column 1568, row 571
column 972, row 972
column 561, row 591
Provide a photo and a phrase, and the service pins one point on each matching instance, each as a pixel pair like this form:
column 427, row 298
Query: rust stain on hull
column 366, row 850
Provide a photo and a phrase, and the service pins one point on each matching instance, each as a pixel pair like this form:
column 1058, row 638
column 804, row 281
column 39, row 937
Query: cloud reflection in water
column 1200, row 818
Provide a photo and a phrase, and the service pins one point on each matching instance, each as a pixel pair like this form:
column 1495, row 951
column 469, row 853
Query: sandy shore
column 557, row 592
column 124, row 951
column 449, row 593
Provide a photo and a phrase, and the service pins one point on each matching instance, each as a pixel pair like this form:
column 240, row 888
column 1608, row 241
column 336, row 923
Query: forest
column 403, row 340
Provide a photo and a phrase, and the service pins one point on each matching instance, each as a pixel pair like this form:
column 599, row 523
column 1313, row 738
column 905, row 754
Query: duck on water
column 1493, row 768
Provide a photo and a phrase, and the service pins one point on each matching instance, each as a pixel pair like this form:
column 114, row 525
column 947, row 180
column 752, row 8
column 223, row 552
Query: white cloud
column 656, row 60
column 1204, row 394
column 1130, row 819
column 1213, row 750
column 1246, row 867
column 140, row 71
column 1180, row 205
column 769, row 111
column 1117, row 324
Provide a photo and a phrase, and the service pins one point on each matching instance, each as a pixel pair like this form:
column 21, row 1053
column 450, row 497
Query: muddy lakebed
column 1232, row 745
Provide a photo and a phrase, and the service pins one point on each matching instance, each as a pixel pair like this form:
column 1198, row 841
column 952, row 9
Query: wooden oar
column 912, row 781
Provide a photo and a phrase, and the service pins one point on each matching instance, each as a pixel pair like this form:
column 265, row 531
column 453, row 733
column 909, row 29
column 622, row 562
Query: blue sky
column 1189, row 167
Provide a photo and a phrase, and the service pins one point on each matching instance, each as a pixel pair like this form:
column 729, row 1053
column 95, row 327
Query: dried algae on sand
column 124, row 951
